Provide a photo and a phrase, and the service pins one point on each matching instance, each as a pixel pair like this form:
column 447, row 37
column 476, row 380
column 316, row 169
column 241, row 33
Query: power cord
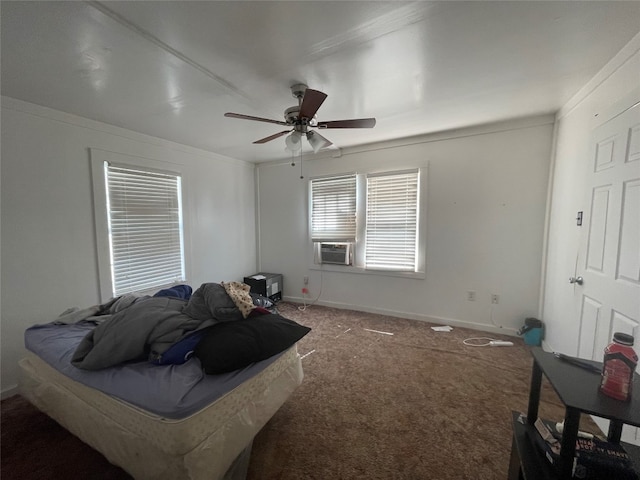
column 468, row 341
column 304, row 305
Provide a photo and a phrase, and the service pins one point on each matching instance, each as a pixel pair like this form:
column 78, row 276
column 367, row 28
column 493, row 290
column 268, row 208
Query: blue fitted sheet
column 169, row 391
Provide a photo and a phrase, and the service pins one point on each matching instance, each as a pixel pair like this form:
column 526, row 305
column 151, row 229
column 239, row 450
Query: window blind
column 333, row 209
column 145, row 228
column 392, row 221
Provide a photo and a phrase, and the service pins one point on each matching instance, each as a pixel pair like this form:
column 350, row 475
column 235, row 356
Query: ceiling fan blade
column 355, row 123
column 249, row 117
column 272, row 137
column 317, row 141
column 311, row 103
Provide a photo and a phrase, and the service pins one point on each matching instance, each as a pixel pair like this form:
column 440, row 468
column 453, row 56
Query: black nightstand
column 578, row 389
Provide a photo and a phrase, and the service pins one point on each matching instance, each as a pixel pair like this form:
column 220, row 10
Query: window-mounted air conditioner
column 335, row 253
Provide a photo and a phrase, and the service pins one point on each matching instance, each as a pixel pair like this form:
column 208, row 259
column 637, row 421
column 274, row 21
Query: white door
column 609, row 258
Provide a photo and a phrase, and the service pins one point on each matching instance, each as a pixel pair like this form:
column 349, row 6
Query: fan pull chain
column 293, row 163
column 301, row 176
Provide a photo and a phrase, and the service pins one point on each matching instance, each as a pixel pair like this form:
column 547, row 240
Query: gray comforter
column 149, row 326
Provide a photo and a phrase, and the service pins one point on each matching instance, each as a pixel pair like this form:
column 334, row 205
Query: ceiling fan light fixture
column 317, row 142
column 301, row 117
column 293, row 142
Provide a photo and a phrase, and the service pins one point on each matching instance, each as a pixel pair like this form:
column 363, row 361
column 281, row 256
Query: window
column 333, row 209
column 378, row 213
column 140, row 228
column 145, row 228
column 392, row 221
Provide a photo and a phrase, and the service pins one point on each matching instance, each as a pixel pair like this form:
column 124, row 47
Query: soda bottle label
column 617, row 376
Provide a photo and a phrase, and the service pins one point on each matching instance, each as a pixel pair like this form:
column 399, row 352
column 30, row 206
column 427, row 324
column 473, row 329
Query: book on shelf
column 594, row 458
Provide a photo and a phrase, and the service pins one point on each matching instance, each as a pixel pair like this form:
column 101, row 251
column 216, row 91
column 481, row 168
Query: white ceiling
column 171, row 69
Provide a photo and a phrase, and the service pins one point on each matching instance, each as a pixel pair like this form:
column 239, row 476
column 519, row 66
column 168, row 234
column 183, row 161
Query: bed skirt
column 213, row 443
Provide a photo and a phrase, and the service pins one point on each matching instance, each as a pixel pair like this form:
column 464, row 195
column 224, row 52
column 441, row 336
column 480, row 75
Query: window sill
column 326, row 267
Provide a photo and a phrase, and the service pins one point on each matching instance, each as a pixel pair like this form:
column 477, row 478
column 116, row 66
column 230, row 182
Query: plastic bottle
column 620, row 361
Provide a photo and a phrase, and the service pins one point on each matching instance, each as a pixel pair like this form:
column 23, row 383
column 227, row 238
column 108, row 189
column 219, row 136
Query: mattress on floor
column 202, row 445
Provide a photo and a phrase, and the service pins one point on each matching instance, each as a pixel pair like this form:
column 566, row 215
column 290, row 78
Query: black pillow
column 231, row 346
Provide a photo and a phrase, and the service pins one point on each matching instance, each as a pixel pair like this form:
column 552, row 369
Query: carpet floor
column 382, row 398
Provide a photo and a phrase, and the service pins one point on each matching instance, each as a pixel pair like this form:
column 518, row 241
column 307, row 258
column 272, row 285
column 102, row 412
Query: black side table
column 578, row 389
column 266, row 284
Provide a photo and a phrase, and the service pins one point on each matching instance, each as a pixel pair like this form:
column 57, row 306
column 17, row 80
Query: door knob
column 578, row 280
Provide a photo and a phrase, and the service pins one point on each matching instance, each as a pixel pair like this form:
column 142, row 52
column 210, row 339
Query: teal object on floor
column 532, row 331
column 533, row 337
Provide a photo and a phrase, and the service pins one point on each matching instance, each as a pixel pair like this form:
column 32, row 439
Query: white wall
column 49, row 259
column 486, row 199
column 601, row 96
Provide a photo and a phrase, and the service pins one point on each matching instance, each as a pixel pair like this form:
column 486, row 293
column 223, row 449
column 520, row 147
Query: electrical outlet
column 471, row 295
column 495, row 298
column 305, row 280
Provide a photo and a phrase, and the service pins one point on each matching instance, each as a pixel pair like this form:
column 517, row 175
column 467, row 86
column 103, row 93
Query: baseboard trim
column 412, row 316
column 546, row 347
column 9, row 392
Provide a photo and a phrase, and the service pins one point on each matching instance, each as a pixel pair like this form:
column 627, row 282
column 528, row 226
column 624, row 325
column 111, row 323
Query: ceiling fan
column 300, row 118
